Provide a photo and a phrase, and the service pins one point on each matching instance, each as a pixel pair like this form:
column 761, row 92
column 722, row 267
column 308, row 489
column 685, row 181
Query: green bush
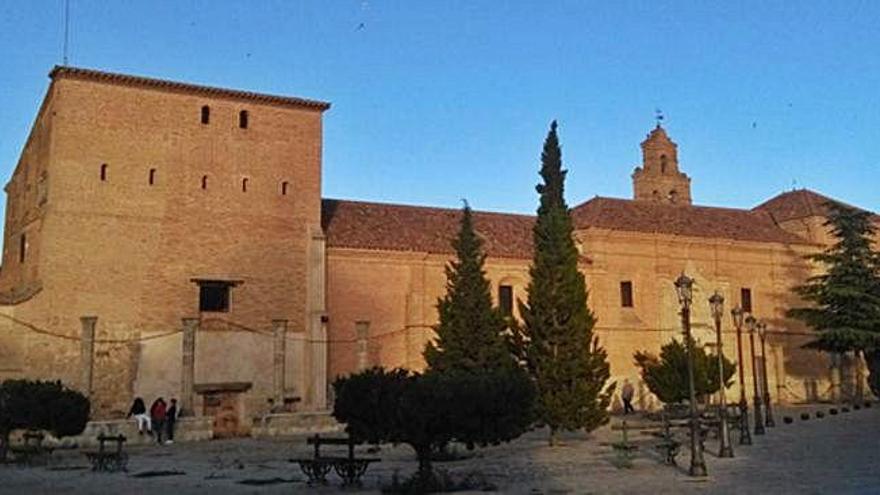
column 429, row 411
column 667, row 377
column 40, row 405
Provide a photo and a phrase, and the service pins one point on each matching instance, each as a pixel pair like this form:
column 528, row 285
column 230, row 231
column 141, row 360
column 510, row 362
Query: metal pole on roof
column 66, row 30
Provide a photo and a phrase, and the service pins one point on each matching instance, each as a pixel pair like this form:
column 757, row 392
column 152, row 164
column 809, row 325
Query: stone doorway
column 223, row 401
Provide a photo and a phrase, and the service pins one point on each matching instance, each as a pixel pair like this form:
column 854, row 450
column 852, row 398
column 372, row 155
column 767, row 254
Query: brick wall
column 126, row 251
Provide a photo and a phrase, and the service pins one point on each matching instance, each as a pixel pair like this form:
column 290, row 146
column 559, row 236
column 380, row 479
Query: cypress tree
column 845, row 308
column 569, row 368
column 471, row 332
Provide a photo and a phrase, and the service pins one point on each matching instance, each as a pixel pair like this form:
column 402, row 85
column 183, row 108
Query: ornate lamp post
column 752, row 323
column 684, row 289
column 716, row 303
column 768, row 410
column 745, row 437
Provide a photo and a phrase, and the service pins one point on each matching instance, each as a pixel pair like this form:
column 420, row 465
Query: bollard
column 787, row 420
column 805, row 416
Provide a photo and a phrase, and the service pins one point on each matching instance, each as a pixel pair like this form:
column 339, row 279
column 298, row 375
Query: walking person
column 139, row 411
column 627, row 396
column 157, row 415
column 170, row 419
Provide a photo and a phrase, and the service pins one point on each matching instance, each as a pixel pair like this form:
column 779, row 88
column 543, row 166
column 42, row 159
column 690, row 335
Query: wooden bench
column 349, row 468
column 668, row 446
column 32, row 452
column 108, row 460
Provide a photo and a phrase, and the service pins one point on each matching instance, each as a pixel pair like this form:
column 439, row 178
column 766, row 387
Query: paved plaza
column 834, row 455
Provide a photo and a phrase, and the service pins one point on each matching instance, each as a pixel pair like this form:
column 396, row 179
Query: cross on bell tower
column 658, row 179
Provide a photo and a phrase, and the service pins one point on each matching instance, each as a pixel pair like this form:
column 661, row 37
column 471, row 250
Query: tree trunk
column 553, row 439
column 835, row 377
column 4, row 446
column 425, row 473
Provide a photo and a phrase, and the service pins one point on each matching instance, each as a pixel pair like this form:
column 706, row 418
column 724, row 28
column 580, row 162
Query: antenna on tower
column 66, row 30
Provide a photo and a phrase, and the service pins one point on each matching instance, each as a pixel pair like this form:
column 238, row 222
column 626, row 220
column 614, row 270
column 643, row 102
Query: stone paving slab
column 835, row 455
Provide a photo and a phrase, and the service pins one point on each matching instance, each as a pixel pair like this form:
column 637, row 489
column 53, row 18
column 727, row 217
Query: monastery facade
column 170, row 239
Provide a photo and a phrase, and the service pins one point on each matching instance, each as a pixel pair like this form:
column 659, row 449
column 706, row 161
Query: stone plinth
column 298, row 423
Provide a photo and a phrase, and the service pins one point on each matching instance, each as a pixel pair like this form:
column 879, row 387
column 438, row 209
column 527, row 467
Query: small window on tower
column 204, row 182
column 244, row 184
column 103, row 172
column 284, row 188
column 243, row 119
column 152, row 176
column 745, row 299
column 505, row 299
column 214, row 296
column 22, row 248
column 626, row 294
column 206, row 114
column 662, row 164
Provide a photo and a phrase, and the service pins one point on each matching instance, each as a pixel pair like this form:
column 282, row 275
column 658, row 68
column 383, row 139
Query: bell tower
column 658, row 179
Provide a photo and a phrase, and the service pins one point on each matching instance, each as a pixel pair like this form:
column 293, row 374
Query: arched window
column 152, row 176
column 204, row 182
column 103, row 171
column 284, row 188
column 243, row 119
column 206, row 114
column 673, row 196
column 662, row 164
column 244, row 183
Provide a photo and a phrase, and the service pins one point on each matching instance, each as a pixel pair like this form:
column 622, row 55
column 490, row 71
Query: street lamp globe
column 737, row 313
column 751, row 323
column 684, row 287
column 716, row 302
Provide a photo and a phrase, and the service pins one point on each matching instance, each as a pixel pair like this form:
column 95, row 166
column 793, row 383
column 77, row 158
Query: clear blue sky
column 437, row 101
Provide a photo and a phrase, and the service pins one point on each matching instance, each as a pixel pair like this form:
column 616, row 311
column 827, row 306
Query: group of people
column 161, row 418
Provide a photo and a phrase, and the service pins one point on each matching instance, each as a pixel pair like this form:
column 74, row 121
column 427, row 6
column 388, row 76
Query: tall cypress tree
column 556, row 340
column 471, row 332
column 845, row 299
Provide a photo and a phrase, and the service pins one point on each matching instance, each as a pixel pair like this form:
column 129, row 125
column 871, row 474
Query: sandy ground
column 835, row 455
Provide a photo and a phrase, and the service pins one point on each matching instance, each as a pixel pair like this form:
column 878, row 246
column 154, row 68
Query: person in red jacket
column 157, row 414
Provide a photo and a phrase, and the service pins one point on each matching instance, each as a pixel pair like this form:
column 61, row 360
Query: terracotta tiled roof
column 685, row 220
column 797, row 204
column 388, row 227
column 101, row 76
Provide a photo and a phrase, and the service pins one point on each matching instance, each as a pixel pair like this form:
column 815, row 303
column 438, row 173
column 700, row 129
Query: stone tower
column 658, row 179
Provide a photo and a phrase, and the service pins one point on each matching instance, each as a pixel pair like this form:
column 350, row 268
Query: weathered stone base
column 297, row 423
column 187, row 429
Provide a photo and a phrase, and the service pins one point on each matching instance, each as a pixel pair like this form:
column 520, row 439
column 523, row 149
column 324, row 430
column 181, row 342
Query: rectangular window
column 22, row 248
column 745, row 299
column 505, row 299
column 626, row 294
column 214, row 296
